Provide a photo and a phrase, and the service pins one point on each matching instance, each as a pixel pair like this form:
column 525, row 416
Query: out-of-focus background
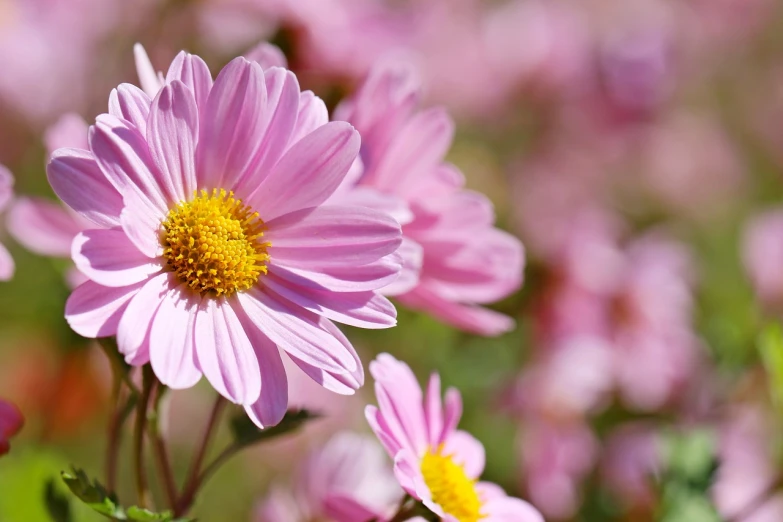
column 635, row 147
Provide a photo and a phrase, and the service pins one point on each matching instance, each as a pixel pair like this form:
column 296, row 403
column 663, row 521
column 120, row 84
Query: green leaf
column 245, row 433
column 93, row 494
column 57, row 504
column 770, row 346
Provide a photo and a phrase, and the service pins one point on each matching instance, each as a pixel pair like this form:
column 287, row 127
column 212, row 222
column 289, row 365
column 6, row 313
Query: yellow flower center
column 450, row 487
column 212, row 243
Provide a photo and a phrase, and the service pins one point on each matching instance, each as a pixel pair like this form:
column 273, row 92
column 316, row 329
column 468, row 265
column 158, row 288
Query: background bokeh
column 634, row 146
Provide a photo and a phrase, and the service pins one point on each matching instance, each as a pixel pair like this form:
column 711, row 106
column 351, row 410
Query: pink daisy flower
column 11, row 422
column 454, row 257
column 433, row 461
column 212, row 247
column 347, row 480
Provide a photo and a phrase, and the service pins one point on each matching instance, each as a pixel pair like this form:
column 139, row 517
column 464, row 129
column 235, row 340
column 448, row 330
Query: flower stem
column 142, row 488
column 194, row 476
column 113, row 436
column 159, row 446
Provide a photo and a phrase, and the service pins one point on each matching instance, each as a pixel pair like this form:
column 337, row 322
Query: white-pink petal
column 130, row 103
column 93, row 310
column 359, row 309
column 42, row 226
column 79, row 183
column 123, row 155
column 225, row 354
column 309, row 172
column 172, row 135
column 134, row 326
column 272, row 403
column 194, row 73
column 231, row 127
column 172, row 339
column 295, row 332
column 109, row 258
column 332, row 236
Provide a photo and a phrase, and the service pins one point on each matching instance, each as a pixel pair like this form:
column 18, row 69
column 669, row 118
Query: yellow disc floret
column 213, row 243
column 450, row 487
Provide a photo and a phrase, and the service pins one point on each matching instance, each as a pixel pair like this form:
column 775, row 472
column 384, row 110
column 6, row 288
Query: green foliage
column 689, row 471
column 245, row 433
column 56, row 503
column 28, row 482
column 93, row 494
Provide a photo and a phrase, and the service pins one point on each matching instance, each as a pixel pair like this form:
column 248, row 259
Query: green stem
column 142, row 488
column 194, row 480
column 159, row 446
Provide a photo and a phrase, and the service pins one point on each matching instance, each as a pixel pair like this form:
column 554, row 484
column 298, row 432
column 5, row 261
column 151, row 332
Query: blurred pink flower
column 692, row 166
column 346, row 480
column 32, row 33
column 11, row 422
column 45, row 227
column 747, row 468
column 556, row 457
column 448, row 231
column 762, row 254
column 631, row 457
column 433, row 461
column 636, row 300
column 195, row 280
column 6, row 195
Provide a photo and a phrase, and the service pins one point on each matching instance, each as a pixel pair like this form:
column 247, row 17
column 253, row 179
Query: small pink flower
column 433, row 461
column 747, row 470
column 455, row 259
column 347, row 480
column 212, row 248
column 6, row 194
column 556, row 458
column 631, row 457
column 11, row 422
column 762, row 254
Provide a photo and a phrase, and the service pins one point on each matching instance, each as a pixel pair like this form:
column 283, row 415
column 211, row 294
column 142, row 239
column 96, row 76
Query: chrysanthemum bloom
column 212, row 246
column 347, row 480
column 46, row 227
column 461, row 259
column 6, row 194
column 433, row 461
column 11, row 422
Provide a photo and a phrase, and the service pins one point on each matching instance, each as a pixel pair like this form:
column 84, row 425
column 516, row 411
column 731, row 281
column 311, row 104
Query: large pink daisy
column 434, row 461
column 212, row 247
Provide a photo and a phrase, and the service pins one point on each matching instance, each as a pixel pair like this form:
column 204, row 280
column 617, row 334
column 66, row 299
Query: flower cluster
column 247, row 225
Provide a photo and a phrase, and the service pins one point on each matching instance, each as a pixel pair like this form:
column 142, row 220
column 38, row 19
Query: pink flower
column 433, row 461
column 747, row 468
column 212, row 247
column 762, row 253
column 450, row 242
column 43, row 226
column 11, row 422
column 6, row 194
column 347, row 480
column 631, row 457
column 555, row 459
